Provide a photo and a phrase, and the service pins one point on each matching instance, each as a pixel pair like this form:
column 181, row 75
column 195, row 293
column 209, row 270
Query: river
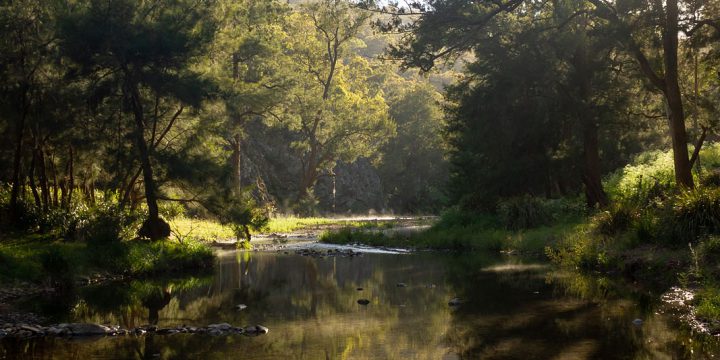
column 512, row 308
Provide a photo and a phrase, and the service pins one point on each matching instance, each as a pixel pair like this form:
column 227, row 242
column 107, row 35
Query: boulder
column 78, row 329
column 255, row 330
column 221, row 327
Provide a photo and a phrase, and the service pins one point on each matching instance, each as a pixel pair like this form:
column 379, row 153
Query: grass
column 210, row 230
column 34, row 259
column 475, row 236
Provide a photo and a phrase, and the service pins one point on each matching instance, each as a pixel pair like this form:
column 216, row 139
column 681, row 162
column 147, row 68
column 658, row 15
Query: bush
column 109, row 224
column 695, row 213
column 243, row 214
column 523, row 213
column 455, row 217
column 618, row 218
column 650, row 174
column 712, row 179
column 307, row 205
column 59, row 269
column 708, row 303
column 161, row 257
column 171, row 209
column 708, row 255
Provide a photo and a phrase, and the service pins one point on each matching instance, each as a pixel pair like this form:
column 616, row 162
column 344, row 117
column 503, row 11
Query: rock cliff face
column 358, row 189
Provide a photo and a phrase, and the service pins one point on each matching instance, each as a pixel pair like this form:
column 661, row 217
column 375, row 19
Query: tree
column 413, row 166
column 335, row 114
column 142, row 52
column 247, row 60
column 26, row 48
column 447, row 28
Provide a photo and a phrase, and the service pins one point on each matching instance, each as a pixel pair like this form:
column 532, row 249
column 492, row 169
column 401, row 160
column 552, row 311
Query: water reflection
column 512, row 309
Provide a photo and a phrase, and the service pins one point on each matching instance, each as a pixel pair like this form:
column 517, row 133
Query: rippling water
column 512, row 309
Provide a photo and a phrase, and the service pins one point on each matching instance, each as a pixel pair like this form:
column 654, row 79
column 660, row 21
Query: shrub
column 523, row 213
column 307, row 205
column 455, row 217
column 708, row 254
column 708, row 303
column 618, row 218
column 59, row 270
column 171, row 209
column 650, row 173
column 712, row 179
column 242, row 214
column 161, row 257
column 108, row 224
column 695, row 213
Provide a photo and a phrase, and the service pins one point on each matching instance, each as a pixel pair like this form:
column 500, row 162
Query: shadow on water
column 512, row 309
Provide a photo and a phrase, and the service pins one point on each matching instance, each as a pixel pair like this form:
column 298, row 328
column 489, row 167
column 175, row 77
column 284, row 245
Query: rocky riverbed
column 23, row 331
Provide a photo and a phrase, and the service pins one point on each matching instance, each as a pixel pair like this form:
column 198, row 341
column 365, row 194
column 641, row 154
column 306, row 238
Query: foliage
column 522, row 213
column 307, row 205
column 59, row 269
column 36, row 259
column 161, row 258
column 458, row 230
column 695, row 213
column 413, row 165
column 648, row 176
column 243, row 215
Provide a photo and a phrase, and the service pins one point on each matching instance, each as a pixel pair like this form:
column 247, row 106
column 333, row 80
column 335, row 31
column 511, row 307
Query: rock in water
column 255, row 330
column 363, row 301
column 167, row 331
column 78, row 329
column 221, row 327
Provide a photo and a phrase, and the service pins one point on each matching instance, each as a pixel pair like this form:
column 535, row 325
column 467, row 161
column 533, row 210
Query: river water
column 512, row 308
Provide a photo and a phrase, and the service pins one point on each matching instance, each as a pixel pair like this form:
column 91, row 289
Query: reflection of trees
column 570, row 316
column 310, row 306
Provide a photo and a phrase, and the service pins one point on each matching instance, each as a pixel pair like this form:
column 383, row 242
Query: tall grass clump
column 523, row 213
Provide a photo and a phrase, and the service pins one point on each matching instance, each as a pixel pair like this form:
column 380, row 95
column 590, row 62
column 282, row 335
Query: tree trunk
column 42, row 177
column 68, row 181
column 676, row 115
column 154, row 227
column 17, row 160
column 309, row 175
column 55, row 182
column 237, row 164
column 33, row 188
column 71, row 186
column 594, row 193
